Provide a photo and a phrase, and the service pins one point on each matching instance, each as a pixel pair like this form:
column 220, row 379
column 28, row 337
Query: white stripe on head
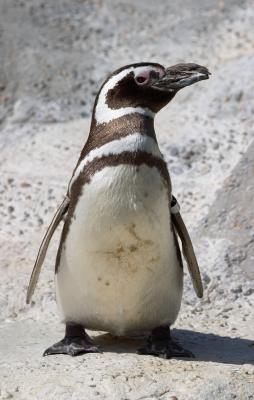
column 104, row 113
column 132, row 143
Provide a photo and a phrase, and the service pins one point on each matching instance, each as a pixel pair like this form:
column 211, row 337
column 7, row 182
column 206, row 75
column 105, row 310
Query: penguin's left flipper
column 44, row 247
column 160, row 344
column 187, row 248
column 75, row 342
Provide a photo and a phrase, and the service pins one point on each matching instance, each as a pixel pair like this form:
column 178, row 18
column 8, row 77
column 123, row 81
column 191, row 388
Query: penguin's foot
column 75, row 342
column 160, row 344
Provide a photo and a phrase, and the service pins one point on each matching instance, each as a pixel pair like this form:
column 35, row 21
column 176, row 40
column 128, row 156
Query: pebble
column 206, row 278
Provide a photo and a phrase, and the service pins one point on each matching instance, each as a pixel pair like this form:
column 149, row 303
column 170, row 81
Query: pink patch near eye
column 141, row 79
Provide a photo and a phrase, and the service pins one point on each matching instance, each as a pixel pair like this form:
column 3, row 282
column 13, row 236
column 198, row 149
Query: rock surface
column 54, row 55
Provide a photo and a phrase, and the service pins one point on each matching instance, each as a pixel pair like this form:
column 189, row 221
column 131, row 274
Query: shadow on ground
column 205, row 346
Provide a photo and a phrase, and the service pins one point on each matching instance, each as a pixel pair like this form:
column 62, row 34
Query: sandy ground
column 54, row 58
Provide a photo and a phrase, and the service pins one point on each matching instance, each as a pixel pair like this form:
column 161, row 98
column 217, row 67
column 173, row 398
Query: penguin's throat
column 121, row 126
column 104, row 114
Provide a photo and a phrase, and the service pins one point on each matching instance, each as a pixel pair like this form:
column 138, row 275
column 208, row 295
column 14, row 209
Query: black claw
column 72, row 346
column 72, row 349
column 168, row 351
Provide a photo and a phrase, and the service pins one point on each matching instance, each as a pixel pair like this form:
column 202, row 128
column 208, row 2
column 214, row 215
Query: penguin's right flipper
column 44, row 247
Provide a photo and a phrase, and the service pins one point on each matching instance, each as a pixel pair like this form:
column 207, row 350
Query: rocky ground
column 54, row 55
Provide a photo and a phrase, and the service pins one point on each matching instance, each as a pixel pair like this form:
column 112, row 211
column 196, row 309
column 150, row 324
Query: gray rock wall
column 53, row 57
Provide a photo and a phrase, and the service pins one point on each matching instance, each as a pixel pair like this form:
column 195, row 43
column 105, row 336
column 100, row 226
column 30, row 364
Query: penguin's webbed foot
column 72, row 346
column 75, row 342
column 160, row 344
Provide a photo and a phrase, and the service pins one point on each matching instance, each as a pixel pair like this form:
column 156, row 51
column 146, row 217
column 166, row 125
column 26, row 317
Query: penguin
column 119, row 267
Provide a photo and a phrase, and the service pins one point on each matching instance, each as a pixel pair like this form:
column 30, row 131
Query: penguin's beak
column 180, row 75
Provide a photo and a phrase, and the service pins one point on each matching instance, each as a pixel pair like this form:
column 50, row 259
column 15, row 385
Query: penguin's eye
column 141, row 80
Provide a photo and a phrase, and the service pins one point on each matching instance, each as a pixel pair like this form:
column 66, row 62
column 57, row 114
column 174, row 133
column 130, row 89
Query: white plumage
column 119, row 270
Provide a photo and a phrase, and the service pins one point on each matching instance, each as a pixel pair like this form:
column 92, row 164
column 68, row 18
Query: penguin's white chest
column 119, row 270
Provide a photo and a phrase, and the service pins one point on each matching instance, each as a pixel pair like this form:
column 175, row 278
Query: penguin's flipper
column 187, row 248
column 44, row 247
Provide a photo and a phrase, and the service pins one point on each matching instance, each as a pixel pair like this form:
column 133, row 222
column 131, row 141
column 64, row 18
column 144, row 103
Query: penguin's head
column 147, row 86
